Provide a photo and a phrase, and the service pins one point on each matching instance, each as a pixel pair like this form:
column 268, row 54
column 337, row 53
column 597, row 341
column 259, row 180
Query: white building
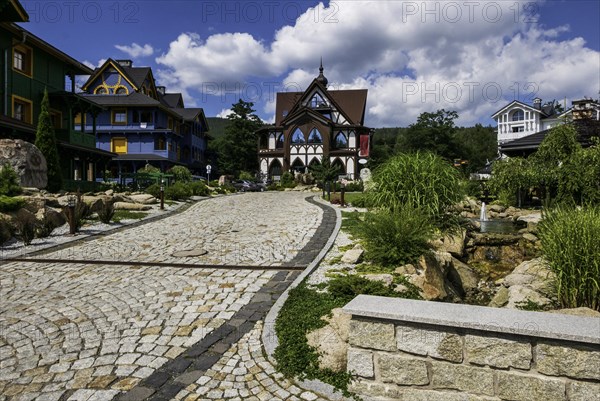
column 517, row 120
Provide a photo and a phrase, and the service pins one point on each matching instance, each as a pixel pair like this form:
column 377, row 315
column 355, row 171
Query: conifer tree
column 45, row 141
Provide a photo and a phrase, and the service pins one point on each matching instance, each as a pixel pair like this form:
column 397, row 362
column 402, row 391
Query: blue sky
column 413, row 56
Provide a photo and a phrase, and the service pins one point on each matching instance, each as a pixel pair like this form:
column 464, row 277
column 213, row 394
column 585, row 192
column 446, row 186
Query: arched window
column 314, row 162
column 340, row 165
column 275, row 169
column 101, row 90
column 298, row 166
column 341, row 141
column 121, row 90
column 298, row 137
column 518, row 115
column 279, row 142
column 315, row 136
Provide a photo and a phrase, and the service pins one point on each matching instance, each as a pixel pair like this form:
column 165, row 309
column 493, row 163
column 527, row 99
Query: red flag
column 364, row 146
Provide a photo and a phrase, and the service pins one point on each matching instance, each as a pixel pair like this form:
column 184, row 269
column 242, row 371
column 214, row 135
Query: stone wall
column 418, row 350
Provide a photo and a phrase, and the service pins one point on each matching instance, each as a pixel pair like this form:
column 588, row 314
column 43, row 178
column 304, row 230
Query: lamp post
column 208, row 168
column 71, row 202
column 162, row 194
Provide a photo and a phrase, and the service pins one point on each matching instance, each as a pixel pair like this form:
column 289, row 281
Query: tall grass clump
column 422, row 180
column 570, row 239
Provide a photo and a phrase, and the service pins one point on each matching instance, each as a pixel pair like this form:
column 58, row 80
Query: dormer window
column 317, row 101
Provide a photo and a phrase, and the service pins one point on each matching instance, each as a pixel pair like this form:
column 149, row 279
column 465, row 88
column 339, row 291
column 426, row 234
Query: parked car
column 246, row 186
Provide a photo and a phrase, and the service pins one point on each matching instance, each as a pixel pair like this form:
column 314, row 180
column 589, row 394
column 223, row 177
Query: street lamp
column 162, row 194
column 71, row 202
column 208, row 168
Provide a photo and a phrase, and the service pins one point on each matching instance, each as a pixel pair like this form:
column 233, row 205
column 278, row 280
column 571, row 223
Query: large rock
column 26, row 160
column 581, row 311
column 95, row 203
column 6, row 229
column 131, row 206
column 331, row 341
column 352, row 256
column 145, row 199
column 50, row 217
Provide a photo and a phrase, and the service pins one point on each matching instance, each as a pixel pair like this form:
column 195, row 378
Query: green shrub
column 287, row 180
column 128, row 215
column 354, row 186
column 422, row 180
column 300, row 315
column 148, row 168
column 396, row 238
column 106, row 212
column 199, row 188
column 44, row 227
column 570, row 239
column 347, row 287
column 9, row 181
column 153, row 190
column 244, row 175
column 178, row 191
column 181, row 173
column 213, row 183
column 9, row 204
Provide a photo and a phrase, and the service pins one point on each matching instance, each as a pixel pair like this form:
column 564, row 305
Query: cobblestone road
column 71, row 331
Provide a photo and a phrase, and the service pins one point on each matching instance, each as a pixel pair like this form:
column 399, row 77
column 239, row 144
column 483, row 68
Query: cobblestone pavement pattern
column 83, row 332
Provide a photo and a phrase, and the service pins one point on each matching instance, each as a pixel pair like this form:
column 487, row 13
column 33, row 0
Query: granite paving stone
column 85, row 331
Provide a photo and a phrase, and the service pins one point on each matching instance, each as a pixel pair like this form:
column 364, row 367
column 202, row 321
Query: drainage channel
column 159, row 264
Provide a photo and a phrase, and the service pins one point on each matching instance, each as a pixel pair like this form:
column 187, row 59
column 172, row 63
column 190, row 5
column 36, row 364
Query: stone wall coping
column 496, row 320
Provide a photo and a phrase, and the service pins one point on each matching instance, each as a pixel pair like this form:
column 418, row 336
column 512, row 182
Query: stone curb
column 269, row 336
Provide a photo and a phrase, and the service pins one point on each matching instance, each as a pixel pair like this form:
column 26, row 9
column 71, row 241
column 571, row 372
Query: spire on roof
column 321, row 78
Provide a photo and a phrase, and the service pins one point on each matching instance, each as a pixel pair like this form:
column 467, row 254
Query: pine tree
column 45, row 141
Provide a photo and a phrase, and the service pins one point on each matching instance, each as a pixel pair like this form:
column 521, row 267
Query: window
column 279, row 142
column 77, row 119
column 317, row 101
column 518, row 115
column 22, row 62
column 119, row 145
column 341, row 141
column 22, row 110
column 119, row 116
column 146, row 117
column 298, row 137
column 160, row 143
column 315, row 136
column 101, row 90
column 121, row 90
column 518, row 129
column 170, row 123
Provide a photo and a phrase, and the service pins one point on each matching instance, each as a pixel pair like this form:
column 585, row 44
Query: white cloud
column 135, row 50
column 412, row 56
column 224, row 113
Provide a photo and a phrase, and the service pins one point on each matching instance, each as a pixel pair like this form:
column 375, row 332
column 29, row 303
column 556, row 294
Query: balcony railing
column 76, row 138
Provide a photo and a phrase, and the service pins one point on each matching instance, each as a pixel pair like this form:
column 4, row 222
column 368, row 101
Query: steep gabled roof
column 76, row 67
column 516, row 103
column 110, row 63
column 173, row 100
column 138, row 74
column 133, row 99
column 353, row 102
column 13, row 11
column 190, row 114
column 350, row 103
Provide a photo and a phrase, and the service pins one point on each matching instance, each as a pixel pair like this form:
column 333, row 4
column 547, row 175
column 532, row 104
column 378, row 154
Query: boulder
column 497, row 208
column 500, row 299
column 352, row 256
column 519, row 295
column 331, row 341
column 145, row 199
column 95, row 202
column 463, row 277
column 131, row 206
column 50, row 216
column 406, row 269
column 6, row 229
column 386, row 279
column 431, row 278
column 27, row 160
column 454, row 244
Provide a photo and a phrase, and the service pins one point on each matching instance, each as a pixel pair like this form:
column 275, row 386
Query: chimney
column 537, row 103
column 161, row 89
column 125, row 63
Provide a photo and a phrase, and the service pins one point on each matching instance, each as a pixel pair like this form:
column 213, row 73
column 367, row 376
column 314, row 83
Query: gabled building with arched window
column 314, row 124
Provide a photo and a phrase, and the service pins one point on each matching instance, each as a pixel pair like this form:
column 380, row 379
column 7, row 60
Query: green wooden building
column 29, row 66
